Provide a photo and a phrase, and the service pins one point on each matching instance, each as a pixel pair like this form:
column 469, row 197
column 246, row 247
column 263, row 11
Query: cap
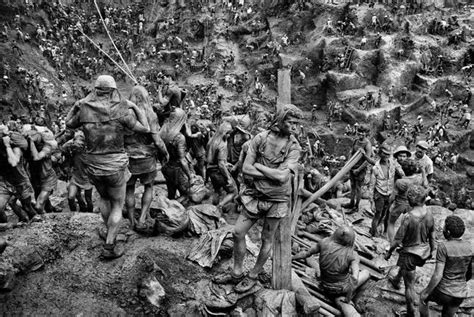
column 385, row 148
column 401, row 149
column 423, row 144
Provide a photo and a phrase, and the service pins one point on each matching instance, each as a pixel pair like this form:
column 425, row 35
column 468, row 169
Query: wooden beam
column 303, row 298
column 284, row 87
column 281, row 268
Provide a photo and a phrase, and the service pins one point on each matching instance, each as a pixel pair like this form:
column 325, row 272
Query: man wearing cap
column 423, row 160
column 381, row 185
column 104, row 117
column 358, row 172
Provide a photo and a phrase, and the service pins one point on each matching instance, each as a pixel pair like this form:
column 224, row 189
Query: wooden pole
column 284, row 87
column 281, row 269
column 307, row 302
column 352, row 161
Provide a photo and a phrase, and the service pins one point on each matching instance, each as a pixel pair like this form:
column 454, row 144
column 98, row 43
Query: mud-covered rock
column 346, row 81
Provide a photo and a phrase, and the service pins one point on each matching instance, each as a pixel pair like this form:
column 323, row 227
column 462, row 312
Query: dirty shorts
column 408, row 261
column 102, row 182
column 218, row 181
column 443, row 299
column 21, row 191
column 47, row 183
column 255, row 208
column 176, row 178
column 336, row 289
column 145, row 178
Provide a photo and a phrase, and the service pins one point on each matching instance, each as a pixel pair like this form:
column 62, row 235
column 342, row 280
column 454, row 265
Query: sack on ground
column 197, row 191
column 171, row 217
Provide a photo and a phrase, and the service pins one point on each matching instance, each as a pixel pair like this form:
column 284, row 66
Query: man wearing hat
column 401, row 154
column 423, row 160
column 357, row 173
column 104, row 117
column 381, row 186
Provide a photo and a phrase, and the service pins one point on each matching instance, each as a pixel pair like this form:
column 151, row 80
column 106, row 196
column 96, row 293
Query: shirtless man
column 358, row 172
column 104, row 117
column 142, row 150
column 339, row 265
column 217, row 165
column 271, row 159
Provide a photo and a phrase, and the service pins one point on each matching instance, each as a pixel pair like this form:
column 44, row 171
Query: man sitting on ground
column 339, row 265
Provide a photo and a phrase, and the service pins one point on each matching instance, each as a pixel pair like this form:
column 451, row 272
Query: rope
column 101, row 50
column 113, row 43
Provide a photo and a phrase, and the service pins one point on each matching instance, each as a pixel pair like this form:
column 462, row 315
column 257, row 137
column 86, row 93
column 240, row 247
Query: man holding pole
column 271, row 159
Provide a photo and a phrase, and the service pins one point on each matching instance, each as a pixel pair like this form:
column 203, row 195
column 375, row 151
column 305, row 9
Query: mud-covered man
column 143, row 150
column 14, row 180
column 169, row 97
column 359, row 170
column 454, row 259
column 104, row 117
column 271, row 160
column 416, row 238
column 339, row 265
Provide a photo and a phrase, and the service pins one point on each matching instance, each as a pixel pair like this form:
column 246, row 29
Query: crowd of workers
column 110, row 142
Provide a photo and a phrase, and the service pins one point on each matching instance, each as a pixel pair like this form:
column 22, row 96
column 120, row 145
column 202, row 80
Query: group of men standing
column 122, row 142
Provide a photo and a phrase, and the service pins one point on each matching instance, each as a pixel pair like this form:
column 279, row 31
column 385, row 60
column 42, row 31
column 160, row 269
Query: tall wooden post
column 281, row 270
column 284, row 87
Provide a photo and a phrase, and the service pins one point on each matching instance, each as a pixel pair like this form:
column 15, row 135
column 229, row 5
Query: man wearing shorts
column 14, row 180
column 359, row 170
column 79, row 180
column 104, row 117
column 417, row 241
column 271, row 159
column 43, row 175
column 339, row 265
column 142, row 152
column 217, row 169
column 454, row 258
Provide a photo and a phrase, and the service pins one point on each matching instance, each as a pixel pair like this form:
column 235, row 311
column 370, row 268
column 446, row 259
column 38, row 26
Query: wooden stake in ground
column 281, row 269
column 284, row 87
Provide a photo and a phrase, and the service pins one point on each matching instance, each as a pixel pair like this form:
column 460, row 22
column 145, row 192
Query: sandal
column 246, row 284
column 227, row 277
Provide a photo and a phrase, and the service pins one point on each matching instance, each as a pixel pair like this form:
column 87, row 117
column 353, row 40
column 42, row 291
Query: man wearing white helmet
column 104, row 116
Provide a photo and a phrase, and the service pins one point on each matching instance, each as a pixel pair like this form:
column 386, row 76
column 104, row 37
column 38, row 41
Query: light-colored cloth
column 382, row 183
column 426, row 163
